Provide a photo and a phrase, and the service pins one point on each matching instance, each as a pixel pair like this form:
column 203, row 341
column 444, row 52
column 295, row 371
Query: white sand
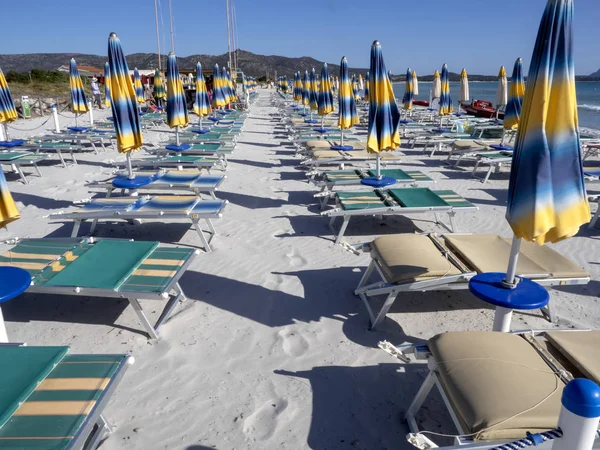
column 272, row 349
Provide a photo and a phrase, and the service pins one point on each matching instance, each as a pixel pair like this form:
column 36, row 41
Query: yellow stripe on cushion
column 73, row 384
column 56, row 266
column 25, row 265
column 68, row 408
column 69, row 256
column 154, row 273
column 15, row 255
column 162, row 262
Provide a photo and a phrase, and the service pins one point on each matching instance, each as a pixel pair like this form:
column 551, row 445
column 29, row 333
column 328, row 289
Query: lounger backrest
column 580, row 348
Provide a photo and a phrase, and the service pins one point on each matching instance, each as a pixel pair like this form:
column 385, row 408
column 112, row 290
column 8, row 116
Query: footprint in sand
column 296, row 259
column 261, row 424
column 293, row 343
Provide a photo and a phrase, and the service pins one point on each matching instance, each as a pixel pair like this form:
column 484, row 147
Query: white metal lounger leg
column 62, row 160
column 489, row 172
column 142, row 318
column 211, row 228
column 389, row 301
column 76, row 226
column 366, row 275
column 596, row 217
column 101, row 428
column 37, row 169
column 340, row 235
column 93, row 227
column 179, row 297
column 20, row 172
column 549, row 312
column 73, row 158
column 417, row 402
column 200, row 233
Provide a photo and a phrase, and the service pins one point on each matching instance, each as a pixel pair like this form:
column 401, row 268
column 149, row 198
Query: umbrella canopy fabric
column 464, row 87
column 515, row 100
column 137, row 84
column 202, row 105
column 305, row 89
column 348, row 117
column 366, row 94
column 8, row 113
column 407, row 99
column 501, row 91
column 384, row 116
column 123, row 105
column 8, row 208
column 547, row 200
column 436, row 88
column 159, row 87
column 229, row 80
column 177, row 113
column 297, row 87
column 325, row 98
column 226, row 86
column 314, row 91
column 218, row 97
column 78, row 100
column 361, row 83
column 355, row 88
column 106, row 85
column 445, row 99
column 415, row 83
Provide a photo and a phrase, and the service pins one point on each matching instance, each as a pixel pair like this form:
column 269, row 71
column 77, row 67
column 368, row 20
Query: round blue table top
column 378, row 182
column 178, row 148
column 124, row 182
column 11, row 144
column 344, row 148
column 13, row 282
column 198, row 131
column 526, row 295
column 502, row 147
column 214, row 119
column 322, row 130
column 311, row 121
column 77, row 129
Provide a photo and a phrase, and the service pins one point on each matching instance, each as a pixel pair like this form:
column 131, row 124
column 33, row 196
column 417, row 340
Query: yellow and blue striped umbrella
column 123, row 104
column 202, row 105
column 355, row 88
column 515, row 100
column 106, row 85
column 8, row 113
column 78, row 101
column 384, row 116
column 137, row 85
column 407, row 100
column 325, row 97
column 313, row 91
column 445, row 100
column 348, row 117
column 177, row 113
column 159, row 86
column 218, row 97
column 297, row 87
column 8, row 208
column 547, row 201
column 305, row 90
column 366, row 96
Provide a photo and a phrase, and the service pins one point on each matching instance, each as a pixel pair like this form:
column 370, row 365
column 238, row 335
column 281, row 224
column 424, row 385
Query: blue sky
column 479, row 35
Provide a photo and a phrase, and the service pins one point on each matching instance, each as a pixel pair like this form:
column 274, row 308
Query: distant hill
column 596, row 74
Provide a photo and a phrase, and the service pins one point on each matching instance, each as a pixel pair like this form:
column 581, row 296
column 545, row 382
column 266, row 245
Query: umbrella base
column 343, row 148
column 178, row 148
column 13, row 143
column 124, row 182
column 78, row 129
column 378, row 182
column 198, row 131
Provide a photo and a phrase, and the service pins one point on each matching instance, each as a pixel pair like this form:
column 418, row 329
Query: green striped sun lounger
column 494, row 161
column 18, row 159
column 159, row 207
column 171, row 180
column 54, row 401
column 179, row 161
column 396, row 202
column 210, row 137
column 60, row 148
column 330, row 180
column 114, row 268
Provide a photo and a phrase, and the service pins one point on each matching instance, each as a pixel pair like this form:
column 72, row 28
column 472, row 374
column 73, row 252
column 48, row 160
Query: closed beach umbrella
column 515, row 98
column 106, row 85
column 137, row 85
column 407, row 99
column 226, row 85
column 314, row 92
column 415, row 83
column 78, row 101
column 384, row 116
column 355, row 87
column 232, row 92
column 8, row 208
column 348, row 117
column 305, row 90
column 445, row 99
column 297, row 87
column 177, row 113
column 366, row 95
column 361, row 83
column 8, row 112
column 202, row 105
column 218, row 97
column 325, row 97
column 160, row 94
column 501, row 91
column 123, row 104
column 464, row 88
column 436, row 87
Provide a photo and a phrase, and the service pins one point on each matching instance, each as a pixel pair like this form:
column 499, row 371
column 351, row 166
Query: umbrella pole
column 76, row 119
column 378, row 167
column 511, row 270
column 129, row 168
column 177, row 135
column 342, row 136
column 322, row 122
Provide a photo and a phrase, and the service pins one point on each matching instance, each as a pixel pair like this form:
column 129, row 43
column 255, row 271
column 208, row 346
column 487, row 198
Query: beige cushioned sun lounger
column 493, row 381
column 580, row 348
column 325, row 144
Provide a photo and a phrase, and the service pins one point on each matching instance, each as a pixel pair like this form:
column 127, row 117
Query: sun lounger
column 393, row 202
column 18, row 159
column 53, row 400
column 59, row 148
column 326, row 144
column 210, row 137
column 88, row 137
column 183, row 161
column 335, row 179
column 494, row 161
column 160, row 207
column 416, row 262
column 114, row 268
column 340, row 157
column 499, row 387
column 469, row 147
column 171, row 180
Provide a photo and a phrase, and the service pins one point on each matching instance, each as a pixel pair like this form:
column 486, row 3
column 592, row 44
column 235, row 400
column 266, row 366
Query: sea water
column 588, row 98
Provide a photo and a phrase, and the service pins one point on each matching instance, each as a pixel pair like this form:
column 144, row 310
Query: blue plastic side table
column 124, row 182
column 526, row 295
column 13, row 282
column 198, row 131
column 378, row 182
column 343, row 148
